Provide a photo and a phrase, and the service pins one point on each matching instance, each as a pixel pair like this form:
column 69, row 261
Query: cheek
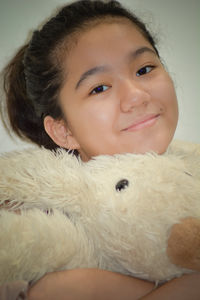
column 92, row 118
column 165, row 93
column 100, row 115
column 99, row 112
column 170, row 106
column 171, row 103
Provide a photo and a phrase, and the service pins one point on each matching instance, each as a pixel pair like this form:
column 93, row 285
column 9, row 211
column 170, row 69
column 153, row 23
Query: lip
column 143, row 122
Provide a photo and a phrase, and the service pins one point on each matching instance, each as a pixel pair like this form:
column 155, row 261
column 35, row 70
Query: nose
column 132, row 94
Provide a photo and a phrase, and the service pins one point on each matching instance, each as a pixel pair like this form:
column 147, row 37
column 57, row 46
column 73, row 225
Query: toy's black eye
column 122, row 184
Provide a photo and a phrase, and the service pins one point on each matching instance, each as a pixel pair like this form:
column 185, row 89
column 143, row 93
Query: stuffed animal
column 134, row 214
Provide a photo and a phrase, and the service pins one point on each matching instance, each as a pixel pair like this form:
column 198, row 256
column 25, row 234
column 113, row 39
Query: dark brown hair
column 33, row 78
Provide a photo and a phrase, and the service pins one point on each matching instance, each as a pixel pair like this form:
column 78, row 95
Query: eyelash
column 97, row 87
column 144, row 68
column 107, row 87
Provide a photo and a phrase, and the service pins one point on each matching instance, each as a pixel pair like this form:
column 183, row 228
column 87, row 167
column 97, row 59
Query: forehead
column 102, row 24
column 100, row 42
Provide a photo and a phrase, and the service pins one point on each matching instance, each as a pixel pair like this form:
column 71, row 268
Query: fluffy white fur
column 72, row 216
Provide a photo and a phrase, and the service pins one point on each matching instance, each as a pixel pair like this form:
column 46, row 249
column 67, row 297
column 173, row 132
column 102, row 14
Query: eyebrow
column 105, row 68
column 140, row 51
column 90, row 72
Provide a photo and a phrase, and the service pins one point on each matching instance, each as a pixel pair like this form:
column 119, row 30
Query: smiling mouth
column 143, row 122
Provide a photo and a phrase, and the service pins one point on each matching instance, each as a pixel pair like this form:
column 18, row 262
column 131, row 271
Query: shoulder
column 180, row 147
column 189, row 154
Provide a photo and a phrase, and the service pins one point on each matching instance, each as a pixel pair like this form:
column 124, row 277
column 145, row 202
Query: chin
column 162, row 149
column 158, row 147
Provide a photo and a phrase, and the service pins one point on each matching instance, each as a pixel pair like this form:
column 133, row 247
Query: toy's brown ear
column 184, row 244
column 39, row 178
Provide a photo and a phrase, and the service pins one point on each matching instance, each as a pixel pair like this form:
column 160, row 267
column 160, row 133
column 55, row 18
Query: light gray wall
column 175, row 23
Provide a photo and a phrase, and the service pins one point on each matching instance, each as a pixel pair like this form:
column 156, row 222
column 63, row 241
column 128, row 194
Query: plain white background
column 175, row 23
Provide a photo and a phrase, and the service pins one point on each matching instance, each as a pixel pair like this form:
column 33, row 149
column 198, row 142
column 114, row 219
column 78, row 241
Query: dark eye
column 121, row 185
column 99, row 89
column 144, row 70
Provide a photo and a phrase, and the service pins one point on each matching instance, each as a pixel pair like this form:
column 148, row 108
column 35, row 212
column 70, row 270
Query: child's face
column 117, row 97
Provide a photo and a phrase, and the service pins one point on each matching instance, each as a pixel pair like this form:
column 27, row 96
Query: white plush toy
column 116, row 213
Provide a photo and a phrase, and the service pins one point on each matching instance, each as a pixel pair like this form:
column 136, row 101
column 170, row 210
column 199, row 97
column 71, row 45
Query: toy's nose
column 122, row 184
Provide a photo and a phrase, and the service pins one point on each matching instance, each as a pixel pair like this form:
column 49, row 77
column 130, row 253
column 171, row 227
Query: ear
column 60, row 134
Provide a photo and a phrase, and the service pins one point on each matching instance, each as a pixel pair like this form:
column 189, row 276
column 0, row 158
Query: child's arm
column 90, row 284
column 186, row 287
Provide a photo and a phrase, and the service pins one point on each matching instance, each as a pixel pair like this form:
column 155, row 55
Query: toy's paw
column 184, row 244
